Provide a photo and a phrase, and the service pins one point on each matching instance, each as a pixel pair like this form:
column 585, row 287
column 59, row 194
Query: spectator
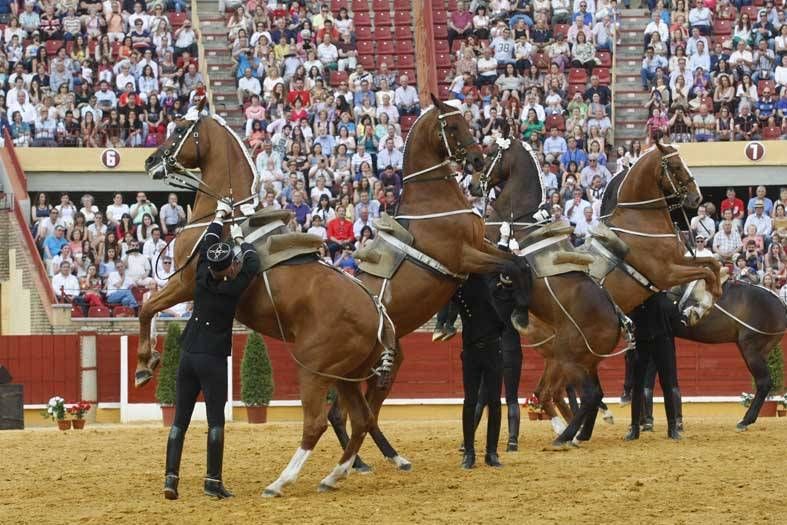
column 460, row 23
column 118, row 287
column 760, row 198
column 761, row 221
column 703, row 224
column 65, row 284
column 301, row 211
column 727, row 242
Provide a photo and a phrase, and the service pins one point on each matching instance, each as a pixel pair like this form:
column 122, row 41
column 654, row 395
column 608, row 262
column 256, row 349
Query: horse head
column 495, row 169
column 184, row 149
column 677, row 182
column 456, row 139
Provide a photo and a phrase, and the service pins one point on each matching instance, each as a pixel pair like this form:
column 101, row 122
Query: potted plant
column 776, row 370
column 56, row 410
column 782, row 408
column 533, row 406
column 165, row 389
column 256, row 379
column 78, row 412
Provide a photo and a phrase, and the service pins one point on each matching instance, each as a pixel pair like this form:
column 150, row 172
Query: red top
column 304, row 95
column 736, row 205
column 340, row 228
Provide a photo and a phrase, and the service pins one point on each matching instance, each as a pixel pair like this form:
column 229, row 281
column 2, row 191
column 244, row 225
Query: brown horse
column 522, row 193
column 435, row 211
column 338, row 345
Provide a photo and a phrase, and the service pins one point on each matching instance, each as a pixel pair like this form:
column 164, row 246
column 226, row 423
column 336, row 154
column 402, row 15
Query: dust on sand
column 114, row 474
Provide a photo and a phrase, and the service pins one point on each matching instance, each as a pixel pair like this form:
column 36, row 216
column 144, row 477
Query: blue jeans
column 123, row 297
column 647, row 77
column 516, row 18
column 178, row 5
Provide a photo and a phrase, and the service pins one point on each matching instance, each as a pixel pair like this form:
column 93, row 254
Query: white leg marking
column 558, row 425
column 338, row 473
column 290, row 473
column 400, row 462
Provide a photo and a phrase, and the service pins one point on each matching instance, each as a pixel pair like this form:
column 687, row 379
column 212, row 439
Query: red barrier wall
column 49, row 365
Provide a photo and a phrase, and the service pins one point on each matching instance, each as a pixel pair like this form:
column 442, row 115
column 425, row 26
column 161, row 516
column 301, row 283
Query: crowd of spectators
column 95, row 74
column 109, row 257
column 716, row 70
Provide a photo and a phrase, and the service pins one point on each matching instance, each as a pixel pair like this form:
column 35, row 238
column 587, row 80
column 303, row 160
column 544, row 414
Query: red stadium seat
column 367, row 61
column 450, row 5
column 560, row 29
column 751, row 10
column 338, row 4
column 362, row 19
column 405, row 61
column 541, row 60
column 406, row 46
column 439, row 16
column 98, row 311
column 456, row 45
column 363, row 33
column 123, row 311
column 410, row 72
column 406, row 122
column 605, row 58
column 577, row 75
column 76, row 311
column 722, row 27
column 443, row 59
column 380, row 5
column 442, row 92
column 365, row 47
column 768, row 133
column 574, row 89
column 441, row 46
column 388, row 59
column 405, row 33
column 604, row 77
column 176, row 19
column 360, row 6
column 762, row 84
column 138, row 292
column 402, row 5
column 52, row 46
column 385, row 47
column 403, row 18
column 440, row 31
column 382, row 18
column 555, row 121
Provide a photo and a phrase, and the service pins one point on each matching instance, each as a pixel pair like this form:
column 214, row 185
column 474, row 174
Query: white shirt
column 114, row 213
column 660, row 27
column 576, row 212
column 151, row 249
column 762, row 223
column 583, row 228
column 406, row 96
column 115, row 282
column 69, row 283
column 137, row 267
column 327, row 53
column 250, row 84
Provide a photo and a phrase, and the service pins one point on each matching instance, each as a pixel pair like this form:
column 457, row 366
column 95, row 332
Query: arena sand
column 113, row 474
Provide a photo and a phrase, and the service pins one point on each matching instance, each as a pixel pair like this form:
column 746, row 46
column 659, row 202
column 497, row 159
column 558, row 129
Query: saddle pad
column 548, row 257
column 281, row 247
column 604, row 260
column 388, row 224
column 380, row 258
column 266, row 215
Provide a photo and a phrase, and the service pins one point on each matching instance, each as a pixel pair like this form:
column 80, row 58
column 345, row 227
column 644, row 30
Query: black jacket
column 655, row 318
column 485, row 307
column 209, row 331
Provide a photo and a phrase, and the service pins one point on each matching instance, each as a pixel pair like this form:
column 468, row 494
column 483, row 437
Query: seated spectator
column 487, row 69
column 460, row 23
column 760, row 198
column 65, row 284
column 593, row 169
column 118, row 287
column 340, row 231
column 345, row 260
column 703, row 224
column 727, row 242
column 700, row 17
column 761, row 221
column 301, row 211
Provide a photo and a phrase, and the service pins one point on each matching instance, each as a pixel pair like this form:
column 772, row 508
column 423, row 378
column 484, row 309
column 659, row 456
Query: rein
column 458, row 156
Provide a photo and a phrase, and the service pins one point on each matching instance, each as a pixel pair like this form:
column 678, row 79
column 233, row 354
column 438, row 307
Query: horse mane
column 255, row 182
column 539, row 169
column 609, row 200
column 410, row 132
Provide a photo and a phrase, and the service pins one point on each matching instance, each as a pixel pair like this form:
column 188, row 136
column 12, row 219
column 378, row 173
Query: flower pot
column 78, row 424
column 543, row 416
column 168, row 414
column 781, row 412
column 64, row 424
column 257, row 415
column 768, row 409
column 532, row 416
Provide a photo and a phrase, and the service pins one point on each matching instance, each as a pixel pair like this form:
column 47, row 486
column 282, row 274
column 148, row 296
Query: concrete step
column 220, row 60
column 628, row 96
column 633, row 133
column 631, row 13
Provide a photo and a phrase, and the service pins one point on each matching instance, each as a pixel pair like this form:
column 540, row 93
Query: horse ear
column 435, row 100
column 661, row 147
column 201, row 104
column 505, row 129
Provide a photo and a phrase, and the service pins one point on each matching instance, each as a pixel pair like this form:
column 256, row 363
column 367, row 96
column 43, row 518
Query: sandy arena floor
column 715, row 475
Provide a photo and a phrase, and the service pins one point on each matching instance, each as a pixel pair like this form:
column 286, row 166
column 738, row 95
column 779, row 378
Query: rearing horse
column 338, row 345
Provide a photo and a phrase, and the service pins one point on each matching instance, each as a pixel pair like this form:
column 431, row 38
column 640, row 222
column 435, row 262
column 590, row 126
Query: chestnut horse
column 518, row 169
column 338, row 345
column 433, row 208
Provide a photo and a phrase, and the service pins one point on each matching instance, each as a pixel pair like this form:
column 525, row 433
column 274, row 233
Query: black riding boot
column 636, row 413
column 213, row 484
column 672, row 430
column 647, row 410
column 174, row 453
column 678, row 409
column 468, row 459
column 513, row 427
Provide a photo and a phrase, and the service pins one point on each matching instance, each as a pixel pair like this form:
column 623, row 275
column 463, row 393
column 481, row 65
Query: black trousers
column 206, row 373
column 447, row 315
column 662, row 351
column 482, row 362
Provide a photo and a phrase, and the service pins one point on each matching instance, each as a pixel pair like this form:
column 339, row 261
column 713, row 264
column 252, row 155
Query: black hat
column 219, row 256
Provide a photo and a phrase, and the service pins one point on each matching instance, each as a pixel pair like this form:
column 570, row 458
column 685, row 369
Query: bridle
column 458, row 155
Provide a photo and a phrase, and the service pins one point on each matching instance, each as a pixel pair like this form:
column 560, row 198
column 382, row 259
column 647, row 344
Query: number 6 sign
column 110, row 158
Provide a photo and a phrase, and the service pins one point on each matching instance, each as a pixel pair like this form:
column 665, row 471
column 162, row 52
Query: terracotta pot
column 768, row 409
column 78, row 424
column 782, row 412
column 168, row 414
column 532, row 416
column 256, row 415
column 543, row 416
column 64, row 424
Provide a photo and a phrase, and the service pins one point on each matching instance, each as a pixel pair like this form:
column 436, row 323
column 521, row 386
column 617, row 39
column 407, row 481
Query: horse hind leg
column 758, row 366
column 590, row 419
column 313, row 392
column 339, row 424
column 362, row 421
column 588, row 407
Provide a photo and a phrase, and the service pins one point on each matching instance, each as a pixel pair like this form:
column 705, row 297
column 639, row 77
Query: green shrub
column 256, row 373
column 776, row 369
column 165, row 389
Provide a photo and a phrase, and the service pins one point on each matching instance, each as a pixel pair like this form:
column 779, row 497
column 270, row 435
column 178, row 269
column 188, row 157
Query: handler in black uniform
column 222, row 277
column 653, row 321
column 484, row 302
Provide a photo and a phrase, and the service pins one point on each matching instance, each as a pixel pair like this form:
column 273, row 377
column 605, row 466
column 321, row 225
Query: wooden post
column 424, row 51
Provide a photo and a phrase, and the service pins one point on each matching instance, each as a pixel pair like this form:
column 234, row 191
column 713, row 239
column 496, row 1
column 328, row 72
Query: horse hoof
column 324, row 487
column 270, row 493
column 401, row 463
column 363, row 469
column 155, row 359
column 741, row 427
column 142, row 377
column 561, row 445
column 519, row 321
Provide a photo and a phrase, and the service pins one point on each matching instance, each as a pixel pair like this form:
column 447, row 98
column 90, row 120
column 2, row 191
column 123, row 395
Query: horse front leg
column 148, row 359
